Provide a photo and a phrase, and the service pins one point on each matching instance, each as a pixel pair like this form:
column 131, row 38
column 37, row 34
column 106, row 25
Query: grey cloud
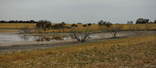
column 117, row 11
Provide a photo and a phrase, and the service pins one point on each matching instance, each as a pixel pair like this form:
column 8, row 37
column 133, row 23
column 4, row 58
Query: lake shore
column 29, row 45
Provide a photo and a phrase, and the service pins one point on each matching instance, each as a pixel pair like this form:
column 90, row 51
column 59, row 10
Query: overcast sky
column 73, row 11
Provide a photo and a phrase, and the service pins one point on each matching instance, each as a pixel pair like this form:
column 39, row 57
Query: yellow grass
column 133, row 52
column 16, row 25
column 94, row 27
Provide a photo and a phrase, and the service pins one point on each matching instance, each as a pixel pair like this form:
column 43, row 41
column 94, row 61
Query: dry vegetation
column 16, row 25
column 133, row 52
column 94, row 27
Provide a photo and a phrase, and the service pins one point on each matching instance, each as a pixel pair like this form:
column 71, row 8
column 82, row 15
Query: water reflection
column 48, row 38
column 6, row 37
column 24, row 37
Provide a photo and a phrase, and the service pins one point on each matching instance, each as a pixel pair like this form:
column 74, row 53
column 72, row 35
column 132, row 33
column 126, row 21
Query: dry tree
column 80, row 35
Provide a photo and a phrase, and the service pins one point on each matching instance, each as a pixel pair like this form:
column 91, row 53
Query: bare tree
column 82, row 35
column 115, row 30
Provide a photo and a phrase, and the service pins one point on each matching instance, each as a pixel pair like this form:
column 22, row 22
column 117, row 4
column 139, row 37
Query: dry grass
column 134, row 52
column 16, row 25
column 94, row 27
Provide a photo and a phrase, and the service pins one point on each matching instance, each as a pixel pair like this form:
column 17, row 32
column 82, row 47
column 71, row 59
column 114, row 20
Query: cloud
column 69, row 10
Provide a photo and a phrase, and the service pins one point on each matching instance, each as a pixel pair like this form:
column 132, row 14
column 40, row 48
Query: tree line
column 18, row 21
column 101, row 22
column 145, row 21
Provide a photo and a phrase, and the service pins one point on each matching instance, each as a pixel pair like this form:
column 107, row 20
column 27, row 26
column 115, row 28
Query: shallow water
column 6, row 37
column 13, row 37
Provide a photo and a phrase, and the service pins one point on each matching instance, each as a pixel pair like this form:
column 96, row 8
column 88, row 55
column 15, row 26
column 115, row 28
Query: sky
column 74, row 11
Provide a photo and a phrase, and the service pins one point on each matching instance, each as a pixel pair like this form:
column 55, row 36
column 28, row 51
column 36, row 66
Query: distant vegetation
column 48, row 26
column 138, row 21
column 18, row 21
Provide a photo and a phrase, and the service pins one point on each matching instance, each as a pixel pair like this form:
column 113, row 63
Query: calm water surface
column 6, row 37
